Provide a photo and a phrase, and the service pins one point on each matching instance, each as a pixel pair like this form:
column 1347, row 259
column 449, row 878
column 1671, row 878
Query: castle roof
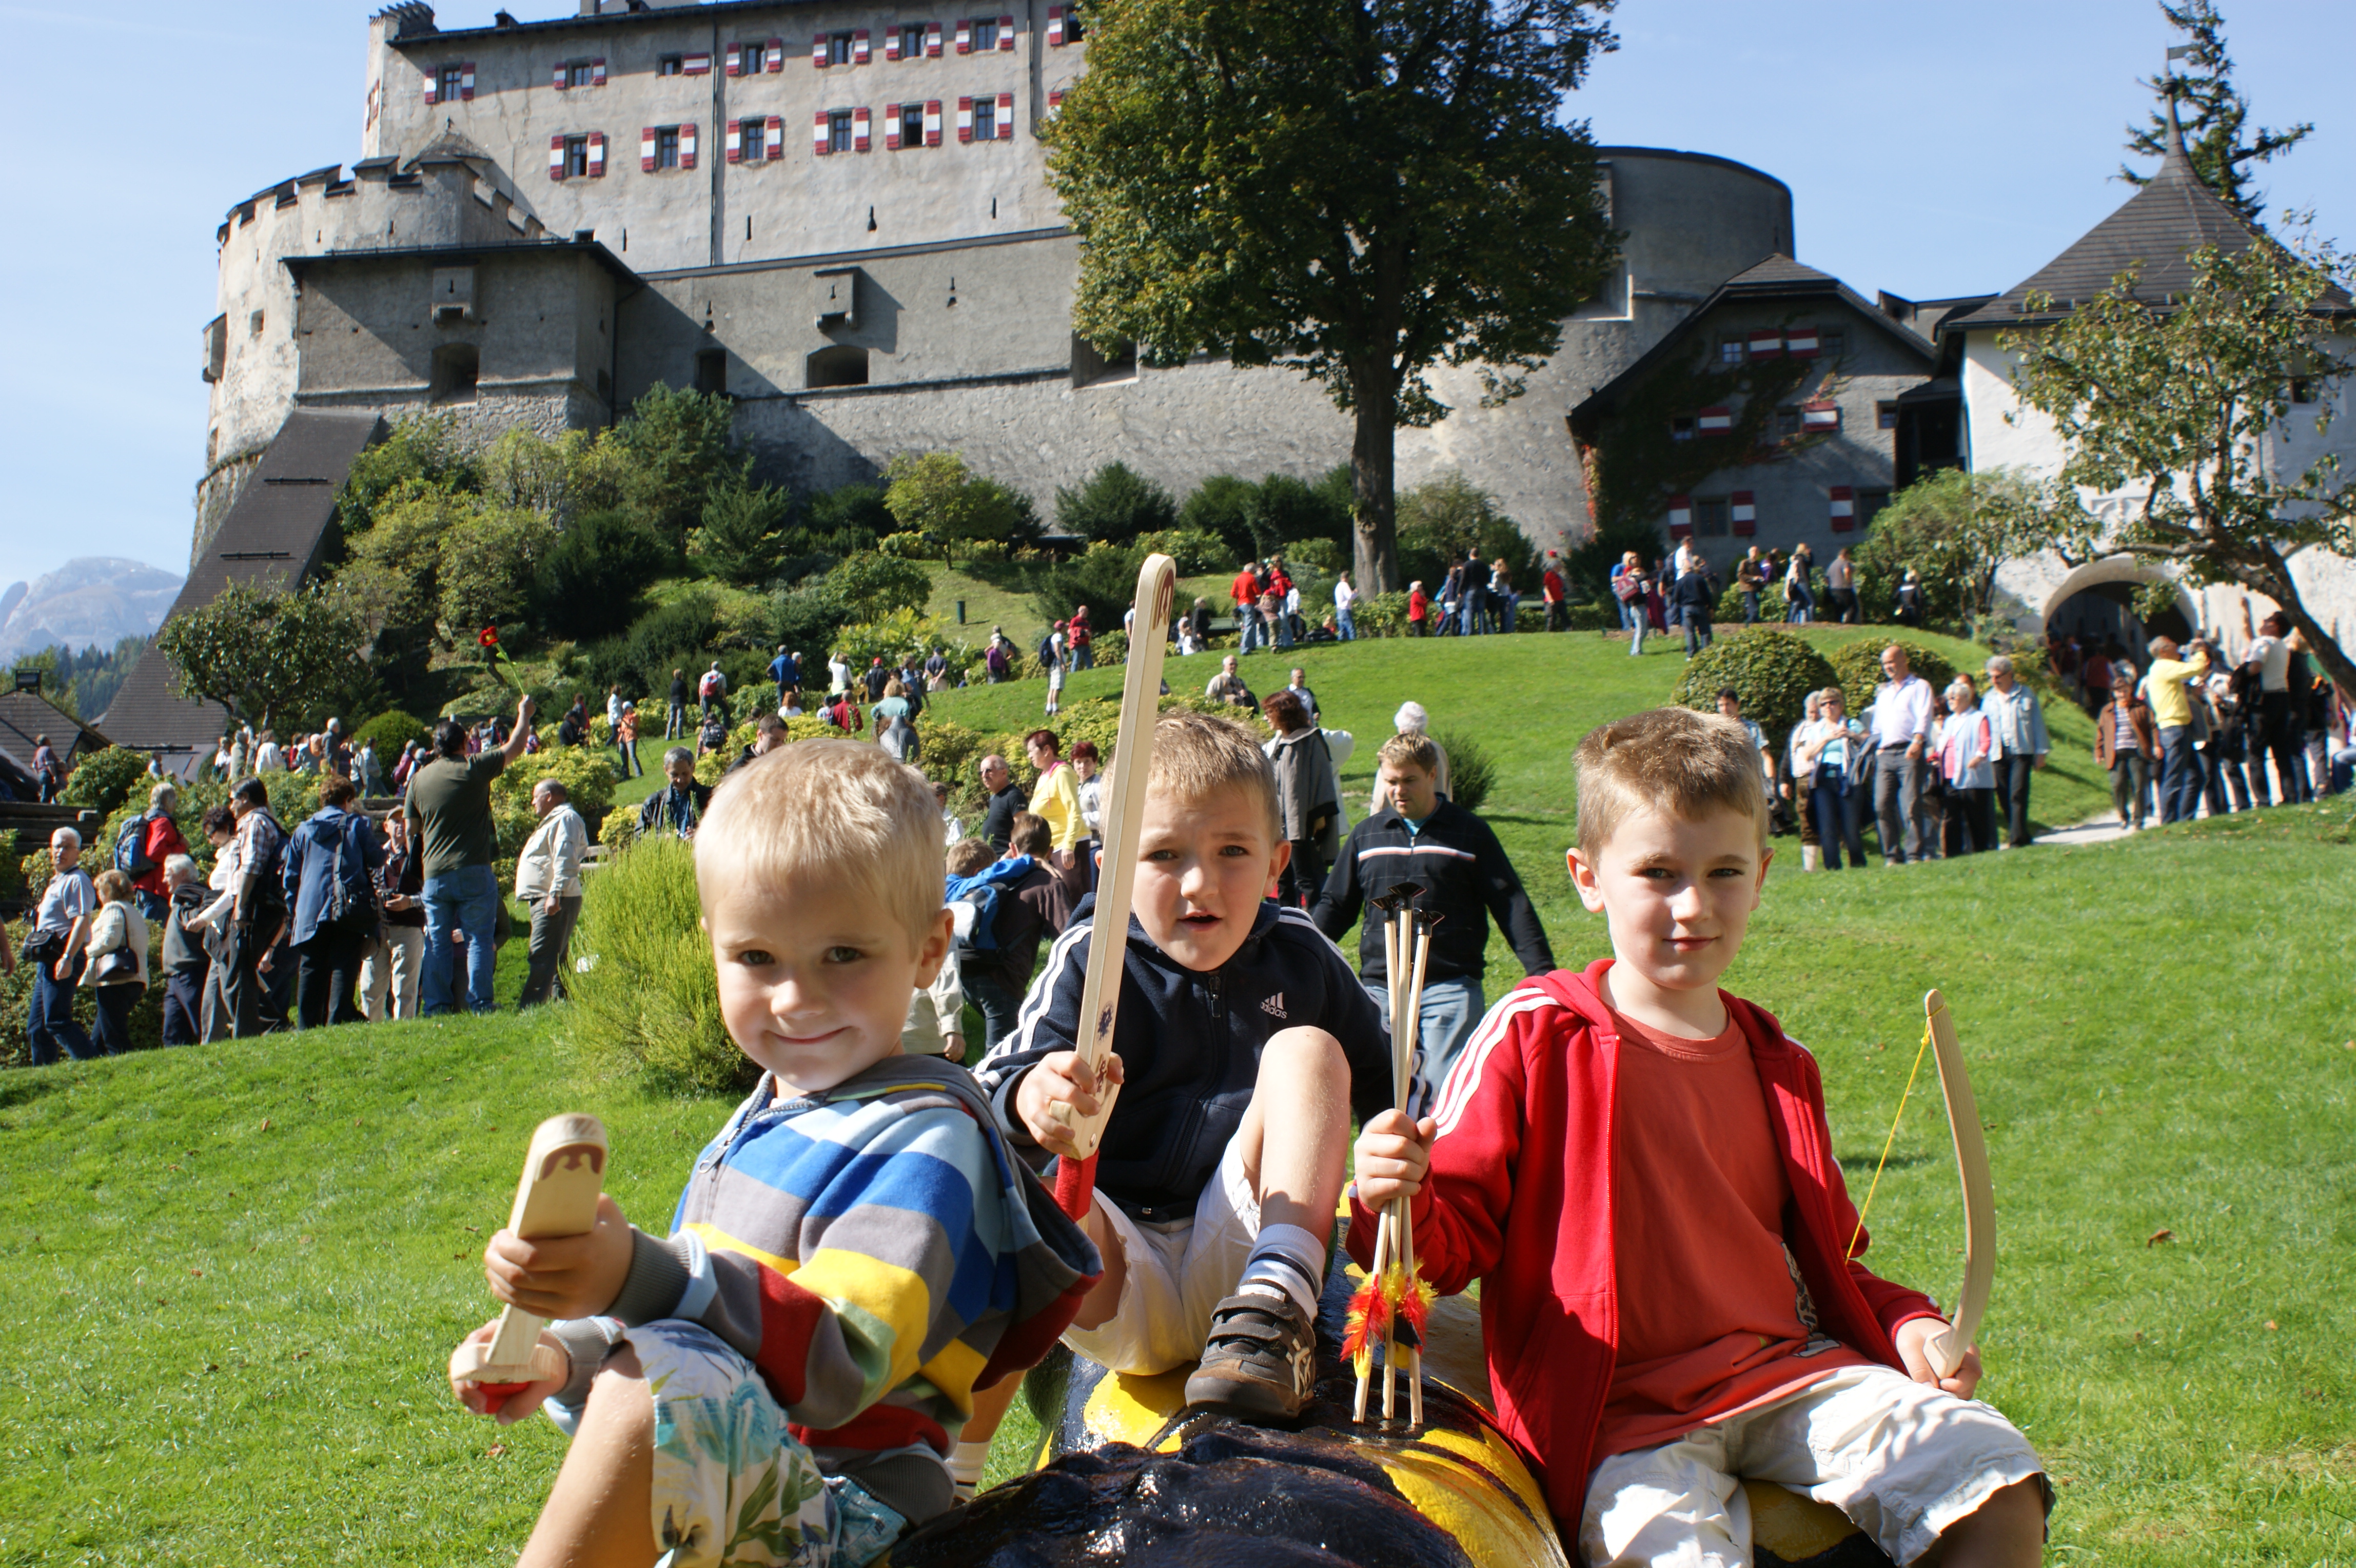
column 414, row 22
column 26, row 715
column 278, row 527
column 2155, row 233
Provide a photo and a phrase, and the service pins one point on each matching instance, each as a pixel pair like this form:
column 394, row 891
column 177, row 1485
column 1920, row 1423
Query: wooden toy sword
column 563, row 1174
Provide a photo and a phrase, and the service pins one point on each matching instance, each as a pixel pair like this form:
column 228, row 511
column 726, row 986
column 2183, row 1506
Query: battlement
column 366, row 207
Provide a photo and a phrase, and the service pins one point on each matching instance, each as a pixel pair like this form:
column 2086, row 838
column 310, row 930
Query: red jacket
column 1520, row 1198
column 1245, row 589
column 164, row 841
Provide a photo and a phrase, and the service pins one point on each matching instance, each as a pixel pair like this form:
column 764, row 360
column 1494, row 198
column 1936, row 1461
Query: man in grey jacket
column 548, row 879
column 2017, row 720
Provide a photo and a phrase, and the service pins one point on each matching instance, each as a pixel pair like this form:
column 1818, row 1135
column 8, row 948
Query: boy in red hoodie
column 1637, row 1166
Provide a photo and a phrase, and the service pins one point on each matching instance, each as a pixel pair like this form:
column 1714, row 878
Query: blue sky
column 1933, row 147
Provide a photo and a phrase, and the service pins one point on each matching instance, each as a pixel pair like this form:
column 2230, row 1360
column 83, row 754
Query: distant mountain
column 92, row 599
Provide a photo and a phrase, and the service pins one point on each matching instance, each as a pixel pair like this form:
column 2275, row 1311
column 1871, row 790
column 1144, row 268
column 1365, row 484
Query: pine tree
column 2214, row 114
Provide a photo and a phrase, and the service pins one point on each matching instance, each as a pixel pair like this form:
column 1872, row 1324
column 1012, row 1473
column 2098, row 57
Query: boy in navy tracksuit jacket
column 1211, row 1211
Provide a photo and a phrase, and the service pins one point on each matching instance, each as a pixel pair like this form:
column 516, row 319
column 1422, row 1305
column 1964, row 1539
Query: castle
column 837, row 213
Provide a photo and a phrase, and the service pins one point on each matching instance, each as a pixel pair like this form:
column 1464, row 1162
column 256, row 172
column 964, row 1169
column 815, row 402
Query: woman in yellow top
column 1056, row 797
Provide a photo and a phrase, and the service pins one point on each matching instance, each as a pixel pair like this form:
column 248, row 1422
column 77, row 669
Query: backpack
column 131, row 848
column 1623, row 586
column 1047, row 650
column 709, row 684
column 981, row 890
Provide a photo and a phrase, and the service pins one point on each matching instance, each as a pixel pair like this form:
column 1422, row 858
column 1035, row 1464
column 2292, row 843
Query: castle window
column 985, row 33
column 1868, row 503
column 253, row 324
column 1885, row 416
column 1787, row 422
column 453, row 84
column 711, row 371
column 1729, row 351
column 985, row 119
column 2302, row 388
column 670, row 65
column 755, row 139
column 1093, row 367
column 838, row 366
column 665, row 147
column 457, row 367
column 1832, row 344
column 578, row 74
column 1711, row 516
column 905, row 42
column 837, row 131
column 576, row 158
column 911, row 125
column 838, row 48
column 1074, row 28
column 745, row 60
column 1681, row 427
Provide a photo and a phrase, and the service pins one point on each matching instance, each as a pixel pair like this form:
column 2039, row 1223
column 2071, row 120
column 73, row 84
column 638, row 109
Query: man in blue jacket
column 329, row 868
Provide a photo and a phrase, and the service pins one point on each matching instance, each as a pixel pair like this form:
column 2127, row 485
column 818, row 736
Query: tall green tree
column 2215, row 113
column 1114, row 505
column 266, row 654
column 1357, row 190
column 1954, row 529
column 743, row 538
column 677, row 445
column 934, row 494
column 2206, row 403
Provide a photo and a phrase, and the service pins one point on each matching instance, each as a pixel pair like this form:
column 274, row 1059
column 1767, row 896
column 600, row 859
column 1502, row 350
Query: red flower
column 488, row 636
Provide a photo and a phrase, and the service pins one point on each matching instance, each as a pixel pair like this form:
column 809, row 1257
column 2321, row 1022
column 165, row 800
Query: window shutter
column 890, row 127
column 686, row 146
column 562, row 76
column 1054, row 27
column 1006, row 116
column 891, row 43
column 859, row 46
column 736, row 147
column 817, row 135
column 859, row 130
column 646, row 150
column 1681, row 517
column 1821, row 415
column 1802, row 345
column 596, row 73
column 1715, row 421
column 1767, row 343
column 965, row 36
column 433, row 84
column 776, row 146
column 776, row 61
column 733, row 62
column 1054, row 100
column 933, row 122
column 1745, row 513
column 1844, row 509
column 1006, row 34
column 932, row 40
column 817, row 51
column 965, row 119
column 696, row 65
column 466, row 83
column 596, row 154
column 556, row 157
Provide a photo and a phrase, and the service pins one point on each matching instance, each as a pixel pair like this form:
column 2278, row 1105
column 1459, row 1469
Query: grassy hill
column 233, row 1272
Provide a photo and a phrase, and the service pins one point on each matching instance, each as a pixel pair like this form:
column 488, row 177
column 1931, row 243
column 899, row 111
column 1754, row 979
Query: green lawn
column 987, row 605
column 233, row 1272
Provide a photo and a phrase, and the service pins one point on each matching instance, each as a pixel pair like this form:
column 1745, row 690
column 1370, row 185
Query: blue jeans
column 466, row 899
column 1836, row 802
column 2180, row 778
column 997, row 1007
column 51, row 1027
column 1084, row 658
column 1254, row 635
column 1348, row 628
column 1451, row 1010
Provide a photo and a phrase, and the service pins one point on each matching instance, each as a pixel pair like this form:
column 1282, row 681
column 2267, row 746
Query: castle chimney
column 588, row 8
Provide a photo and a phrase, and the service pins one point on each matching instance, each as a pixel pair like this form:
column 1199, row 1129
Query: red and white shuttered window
column 686, row 146
column 932, row 40
column 1714, row 420
column 695, row 65
column 1681, row 517
column 1844, row 509
column 890, row 127
column 1744, row 512
column 1055, row 101
column 965, row 120
column 577, row 156
column 1006, row 34
column 1766, row 343
column 753, row 139
column 891, row 44
column 1820, row 416
column 821, row 133
column 776, row 148
column 1803, row 343
column 861, row 131
column 858, row 55
column 450, row 83
column 965, row 35
column 1054, row 27
column 596, row 154
column 1006, row 116
column 932, row 123
column 773, row 56
column 665, row 147
column 573, row 73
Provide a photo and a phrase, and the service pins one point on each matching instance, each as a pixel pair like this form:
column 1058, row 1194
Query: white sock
column 1286, row 1261
column 966, row 1462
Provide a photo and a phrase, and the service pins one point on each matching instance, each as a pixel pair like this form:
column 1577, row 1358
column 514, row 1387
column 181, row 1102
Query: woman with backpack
column 331, row 861
column 1799, row 589
column 143, row 845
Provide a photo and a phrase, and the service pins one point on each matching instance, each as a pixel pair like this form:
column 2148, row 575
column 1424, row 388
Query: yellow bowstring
column 1888, row 1142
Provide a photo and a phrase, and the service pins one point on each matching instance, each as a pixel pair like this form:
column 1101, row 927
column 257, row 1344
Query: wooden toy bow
column 1946, row 1348
column 1394, row 1302
column 1124, row 820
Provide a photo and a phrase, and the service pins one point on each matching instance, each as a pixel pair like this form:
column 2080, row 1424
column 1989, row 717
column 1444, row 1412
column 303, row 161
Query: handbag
column 120, row 964
column 44, row 946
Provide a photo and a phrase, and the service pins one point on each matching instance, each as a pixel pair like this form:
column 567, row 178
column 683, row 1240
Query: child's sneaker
column 1261, row 1358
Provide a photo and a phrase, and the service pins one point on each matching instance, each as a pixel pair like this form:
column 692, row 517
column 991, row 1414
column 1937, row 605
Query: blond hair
column 1197, row 755
column 1675, row 760
column 839, row 809
column 1409, row 749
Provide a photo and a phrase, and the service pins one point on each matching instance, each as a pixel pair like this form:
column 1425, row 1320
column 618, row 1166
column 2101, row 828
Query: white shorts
column 1901, row 1459
column 1178, row 1273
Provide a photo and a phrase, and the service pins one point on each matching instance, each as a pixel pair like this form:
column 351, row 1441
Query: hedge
column 1773, row 671
column 1856, row 668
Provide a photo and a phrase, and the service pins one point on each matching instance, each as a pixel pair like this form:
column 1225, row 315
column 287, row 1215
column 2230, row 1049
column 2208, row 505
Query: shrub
column 1330, row 557
column 588, row 779
column 1773, row 671
column 905, row 547
column 620, row 827
column 902, row 635
column 1471, row 771
column 1115, row 504
column 1380, row 615
column 1195, row 550
column 1111, row 648
column 391, row 731
column 869, row 588
column 645, row 995
column 857, row 508
column 1286, row 512
column 1591, row 616
column 597, row 573
column 1857, row 669
column 104, row 779
column 741, row 540
column 1220, row 507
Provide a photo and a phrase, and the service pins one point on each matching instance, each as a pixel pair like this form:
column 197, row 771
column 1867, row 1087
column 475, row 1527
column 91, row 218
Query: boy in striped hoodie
column 783, row 1378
